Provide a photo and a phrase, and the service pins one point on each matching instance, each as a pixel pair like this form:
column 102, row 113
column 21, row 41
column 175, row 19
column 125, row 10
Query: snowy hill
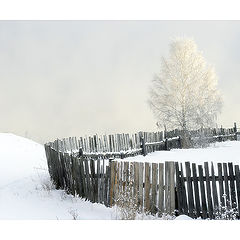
column 19, row 158
column 25, row 188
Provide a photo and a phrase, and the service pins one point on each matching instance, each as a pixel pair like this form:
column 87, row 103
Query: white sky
column 71, row 78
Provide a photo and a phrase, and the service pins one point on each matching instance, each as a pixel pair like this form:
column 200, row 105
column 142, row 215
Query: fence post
column 80, row 152
column 143, row 146
column 180, row 142
column 235, row 131
column 166, row 144
column 235, row 127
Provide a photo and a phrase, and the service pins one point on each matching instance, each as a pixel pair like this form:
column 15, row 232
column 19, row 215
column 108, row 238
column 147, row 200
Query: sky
column 77, row 78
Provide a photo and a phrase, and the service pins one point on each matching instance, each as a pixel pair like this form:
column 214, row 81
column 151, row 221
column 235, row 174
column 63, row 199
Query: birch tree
column 184, row 94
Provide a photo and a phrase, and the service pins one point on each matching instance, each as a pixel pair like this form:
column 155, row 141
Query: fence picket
column 190, row 189
column 203, row 195
column 154, row 188
column 209, row 195
column 136, row 182
column 220, row 181
column 180, row 207
column 214, row 189
column 161, row 189
column 184, row 194
column 226, row 185
column 232, row 185
column 140, row 198
column 237, row 174
column 196, row 190
column 147, row 188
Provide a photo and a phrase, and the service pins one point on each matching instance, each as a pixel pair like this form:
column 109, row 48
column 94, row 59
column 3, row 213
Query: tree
column 184, row 94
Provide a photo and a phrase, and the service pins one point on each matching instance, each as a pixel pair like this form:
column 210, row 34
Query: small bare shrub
column 47, row 185
column 73, row 213
column 126, row 202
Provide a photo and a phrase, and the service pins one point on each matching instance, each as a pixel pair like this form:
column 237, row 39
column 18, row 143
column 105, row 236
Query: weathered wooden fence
column 100, row 180
column 158, row 188
column 126, row 145
column 207, row 193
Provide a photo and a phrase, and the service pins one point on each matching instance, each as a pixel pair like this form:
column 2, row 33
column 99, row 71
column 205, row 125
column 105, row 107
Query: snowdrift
column 19, row 158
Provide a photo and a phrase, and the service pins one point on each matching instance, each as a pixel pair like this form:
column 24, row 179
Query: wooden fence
column 101, row 180
column 126, row 145
column 203, row 193
column 158, row 188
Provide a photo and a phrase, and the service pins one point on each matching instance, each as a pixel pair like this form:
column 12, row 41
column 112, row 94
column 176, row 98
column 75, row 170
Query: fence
column 158, row 188
column 101, row 180
column 126, row 145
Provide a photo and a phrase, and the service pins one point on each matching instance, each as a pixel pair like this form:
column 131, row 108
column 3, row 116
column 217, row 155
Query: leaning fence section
column 150, row 185
column 84, row 177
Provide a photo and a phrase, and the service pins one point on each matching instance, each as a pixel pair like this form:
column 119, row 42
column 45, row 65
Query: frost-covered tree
column 184, row 94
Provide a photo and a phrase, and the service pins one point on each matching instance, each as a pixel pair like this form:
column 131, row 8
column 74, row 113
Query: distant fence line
column 158, row 188
column 126, row 145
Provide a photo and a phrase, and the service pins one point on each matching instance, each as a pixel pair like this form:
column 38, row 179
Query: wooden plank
column 125, row 174
column 88, row 181
column 232, row 185
column 209, row 195
column 166, row 188
column 203, row 195
column 112, row 178
column 180, row 208
column 214, row 190
column 83, row 178
column 184, row 194
column 107, row 186
column 154, row 188
column 220, row 181
column 98, row 180
column 116, row 180
column 226, row 185
column 196, row 191
column 68, row 172
column 102, row 186
column 140, row 197
column 131, row 181
column 161, row 189
column 110, row 143
column 172, row 187
column 120, row 170
column 147, row 188
column 93, row 181
column 190, row 190
column 136, row 183
column 237, row 175
column 77, row 176
column 64, row 170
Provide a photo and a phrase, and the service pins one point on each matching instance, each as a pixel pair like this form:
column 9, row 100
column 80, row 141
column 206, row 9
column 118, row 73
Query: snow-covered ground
column 228, row 151
column 27, row 193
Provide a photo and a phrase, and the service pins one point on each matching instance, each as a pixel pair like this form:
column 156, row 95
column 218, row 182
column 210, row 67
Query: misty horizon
column 77, row 78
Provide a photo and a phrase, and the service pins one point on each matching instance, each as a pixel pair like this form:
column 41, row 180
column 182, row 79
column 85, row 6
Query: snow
column 183, row 217
column 228, row 151
column 27, row 193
